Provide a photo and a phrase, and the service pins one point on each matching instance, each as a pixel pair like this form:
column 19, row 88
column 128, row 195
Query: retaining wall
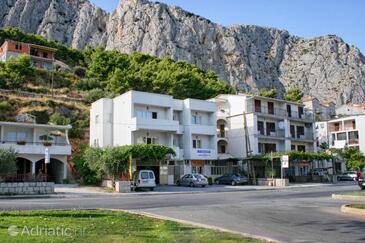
column 26, row 188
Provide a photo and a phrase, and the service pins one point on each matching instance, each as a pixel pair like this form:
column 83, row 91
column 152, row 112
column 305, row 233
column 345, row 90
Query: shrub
column 294, row 95
column 268, row 93
column 87, row 176
column 95, row 94
column 42, row 117
column 8, row 161
column 58, row 119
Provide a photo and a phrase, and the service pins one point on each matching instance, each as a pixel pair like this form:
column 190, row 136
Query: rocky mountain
column 249, row 57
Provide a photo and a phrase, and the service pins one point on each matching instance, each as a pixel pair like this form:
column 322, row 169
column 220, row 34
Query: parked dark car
column 193, row 180
column 361, row 182
column 347, row 176
column 231, row 179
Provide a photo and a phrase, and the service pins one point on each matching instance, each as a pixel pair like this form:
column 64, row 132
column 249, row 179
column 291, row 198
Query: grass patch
column 103, row 226
column 358, row 206
column 361, row 194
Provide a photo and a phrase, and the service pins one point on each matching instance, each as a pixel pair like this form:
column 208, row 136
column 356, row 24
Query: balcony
column 353, row 142
column 202, row 154
column 263, row 110
column 300, row 116
column 304, row 137
column 271, row 134
column 155, row 124
column 203, row 129
column 37, row 148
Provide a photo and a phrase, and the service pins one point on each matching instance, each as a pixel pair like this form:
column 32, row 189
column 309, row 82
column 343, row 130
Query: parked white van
column 143, row 179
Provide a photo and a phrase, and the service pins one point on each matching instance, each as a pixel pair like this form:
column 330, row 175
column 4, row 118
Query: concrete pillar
column 1, row 133
column 64, row 170
column 32, row 169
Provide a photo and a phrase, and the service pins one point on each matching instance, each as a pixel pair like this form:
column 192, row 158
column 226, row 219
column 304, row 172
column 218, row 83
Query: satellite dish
column 281, row 125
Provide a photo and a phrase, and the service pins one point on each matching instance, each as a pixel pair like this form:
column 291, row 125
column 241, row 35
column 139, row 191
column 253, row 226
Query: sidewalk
column 74, row 190
column 79, row 190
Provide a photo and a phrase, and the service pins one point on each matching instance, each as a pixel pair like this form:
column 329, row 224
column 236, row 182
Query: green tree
column 58, row 119
column 271, row 93
column 16, row 71
column 8, row 161
column 294, row 95
column 355, row 159
column 87, row 176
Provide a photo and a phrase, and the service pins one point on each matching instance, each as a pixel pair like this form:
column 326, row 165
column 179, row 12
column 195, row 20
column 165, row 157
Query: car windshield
column 198, row 176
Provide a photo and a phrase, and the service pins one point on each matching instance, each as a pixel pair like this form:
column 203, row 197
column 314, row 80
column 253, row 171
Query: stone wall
column 26, row 188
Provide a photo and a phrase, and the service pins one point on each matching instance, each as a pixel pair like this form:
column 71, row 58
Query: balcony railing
column 280, row 112
column 44, row 143
column 266, row 110
column 297, row 115
column 306, row 136
column 278, row 133
column 353, row 142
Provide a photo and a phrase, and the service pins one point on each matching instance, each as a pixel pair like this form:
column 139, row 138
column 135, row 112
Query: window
column 149, row 140
column 257, row 105
column 293, row 147
column 45, row 55
column 195, row 119
column 292, row 131
column 288, row 110
column 223, row 149
column 144, row 175
column 146, row 115
column 353, row 124
column 300, row 131
column 261, row 148
column 222, row 131
column 300, row 111
column 337, row 127
column 260, row 127
column 301, row 148
column 341, row 136
column 270, row 128
column 96, row 119
column 197, row 144
column 151, row 175
column 154, row 115
column 18, row 46
column 270, row 147
column 270, row 106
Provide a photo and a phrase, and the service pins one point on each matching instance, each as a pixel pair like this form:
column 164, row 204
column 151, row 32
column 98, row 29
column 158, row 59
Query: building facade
column 323, row 110
column 350, row 110
column 251, row 125
column 188, row 126
column 30, row 141
column 347, row 132
column 41, row 56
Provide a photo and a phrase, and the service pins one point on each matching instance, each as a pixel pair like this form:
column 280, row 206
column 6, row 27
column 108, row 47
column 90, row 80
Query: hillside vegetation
column 91, row 74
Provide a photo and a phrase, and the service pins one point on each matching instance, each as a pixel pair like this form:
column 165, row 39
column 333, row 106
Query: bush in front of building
column 114, row 161
column 7, row 161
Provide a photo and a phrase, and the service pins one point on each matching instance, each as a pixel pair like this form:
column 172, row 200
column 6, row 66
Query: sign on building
column 284, row 161
column 47, row 156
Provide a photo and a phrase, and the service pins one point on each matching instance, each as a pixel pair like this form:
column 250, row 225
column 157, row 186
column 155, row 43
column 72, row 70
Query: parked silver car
column 347, row 176
column 193, row 180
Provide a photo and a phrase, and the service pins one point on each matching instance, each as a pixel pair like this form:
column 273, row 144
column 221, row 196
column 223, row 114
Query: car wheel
column 151, row 189
column 233, row 183
column 217, row 182
column 362, row 187
column 203, row 185
column 178, row 183
column 192, row 184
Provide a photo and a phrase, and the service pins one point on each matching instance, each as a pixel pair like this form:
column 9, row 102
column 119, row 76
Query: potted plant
column 21, row 142
column 47, row 143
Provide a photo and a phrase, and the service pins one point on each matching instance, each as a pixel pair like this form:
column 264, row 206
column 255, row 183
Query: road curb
column 31, row 196
column 348, row 197
column 354, row 211
column 186, row 222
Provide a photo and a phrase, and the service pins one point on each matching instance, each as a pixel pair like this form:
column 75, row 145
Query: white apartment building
column 188, row 126
column 250, row 125
column 347, row 132
column 30, row 141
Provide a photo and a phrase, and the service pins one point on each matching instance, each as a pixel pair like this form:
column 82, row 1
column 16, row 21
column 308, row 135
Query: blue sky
column 305, row 18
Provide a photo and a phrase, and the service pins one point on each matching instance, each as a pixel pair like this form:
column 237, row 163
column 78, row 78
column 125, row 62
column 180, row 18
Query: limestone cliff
column 249, row 57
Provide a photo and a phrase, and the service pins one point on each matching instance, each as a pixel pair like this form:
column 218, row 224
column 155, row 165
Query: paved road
column 289, row 215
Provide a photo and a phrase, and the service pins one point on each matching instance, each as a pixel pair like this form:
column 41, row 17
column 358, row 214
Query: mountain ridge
column 250, row 57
